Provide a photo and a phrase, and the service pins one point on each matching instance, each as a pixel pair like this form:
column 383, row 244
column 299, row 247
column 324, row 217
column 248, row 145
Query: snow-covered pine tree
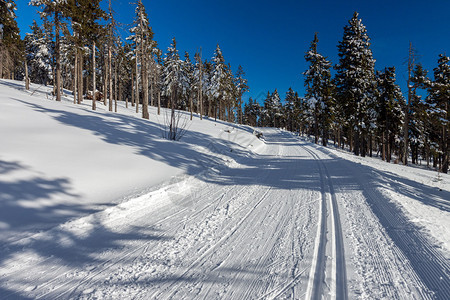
column 389, row 111
column 319, row 90
column 418, row 128
column 142, row 38
column 55, row 9
column 188, row 68
column 277, row 108
column 207, row 87
column 174, row 82
column 39, row 55
column 84, row 16
column 272, row 111
column 356, row 84
column 439, row 100
column 241, row 88
column 221, row 85
column 251, row 112
column 11, row 45
column 198, row 82
column 289, row 109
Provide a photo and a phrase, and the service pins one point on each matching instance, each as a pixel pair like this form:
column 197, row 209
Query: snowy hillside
column 97, row 205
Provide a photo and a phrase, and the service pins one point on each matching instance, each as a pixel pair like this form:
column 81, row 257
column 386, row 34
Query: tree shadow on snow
column 428, row 262
column 81, row 248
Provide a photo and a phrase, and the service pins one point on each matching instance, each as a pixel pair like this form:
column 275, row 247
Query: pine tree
column 220, row 83
column 389, row 111
column 54, row 8
column 242, row 87
column 39, row 55
column 191, row 86
column 290, row 108
column 142, row 38
column 198, row 82
column 11, row 46
column 439, row 99
column 319, row 90
column 418, row 128
column 174, row 81
column 355, row 81
column 251, row 112
column 272, row 111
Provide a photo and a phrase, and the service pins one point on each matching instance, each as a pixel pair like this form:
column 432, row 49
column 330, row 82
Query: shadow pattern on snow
column 77, row 252
column 143, row 137
column 428, row 262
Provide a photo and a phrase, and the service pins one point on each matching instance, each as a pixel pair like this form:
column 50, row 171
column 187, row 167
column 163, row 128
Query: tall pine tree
column 355, row 82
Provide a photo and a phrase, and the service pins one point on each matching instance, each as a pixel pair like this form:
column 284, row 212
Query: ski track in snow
column 291, row 222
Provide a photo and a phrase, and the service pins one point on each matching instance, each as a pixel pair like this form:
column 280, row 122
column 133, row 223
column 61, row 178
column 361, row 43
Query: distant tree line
column 78, row 48
column 364, row 109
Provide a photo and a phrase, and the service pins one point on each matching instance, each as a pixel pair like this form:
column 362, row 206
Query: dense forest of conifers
column 77, row 47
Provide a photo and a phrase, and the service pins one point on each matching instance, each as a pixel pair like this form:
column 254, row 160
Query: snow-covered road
column 293, row 221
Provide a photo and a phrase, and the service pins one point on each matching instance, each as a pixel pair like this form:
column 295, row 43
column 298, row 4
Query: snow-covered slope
column 96, row 205
column 60, row 160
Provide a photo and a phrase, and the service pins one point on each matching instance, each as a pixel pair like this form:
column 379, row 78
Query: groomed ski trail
column 291, row 222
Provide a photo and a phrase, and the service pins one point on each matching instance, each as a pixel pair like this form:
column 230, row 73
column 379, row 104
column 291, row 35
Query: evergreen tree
column 39, row 55
column 355, row 81
column 174, row 82
column 198, row 82
column 222, row 85
column 242, row 87
column 418, row 127
column 54, row 8
column 11, row 46
column 439, row 100
column 389, row 111
column 189, row 87
column 272, row 111
column 251, row 112
column 142, row 38
column 289, row 109
column 319, row 90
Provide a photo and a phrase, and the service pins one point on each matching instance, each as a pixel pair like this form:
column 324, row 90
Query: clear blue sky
column 269, row 38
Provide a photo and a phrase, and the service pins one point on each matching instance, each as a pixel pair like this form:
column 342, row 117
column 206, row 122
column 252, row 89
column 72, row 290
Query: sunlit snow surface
column 97, row 205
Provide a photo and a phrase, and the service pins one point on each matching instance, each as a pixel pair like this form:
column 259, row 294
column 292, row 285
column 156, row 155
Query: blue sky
column 269, row 38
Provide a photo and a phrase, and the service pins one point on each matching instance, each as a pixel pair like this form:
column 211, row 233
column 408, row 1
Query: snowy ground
column 96, row 205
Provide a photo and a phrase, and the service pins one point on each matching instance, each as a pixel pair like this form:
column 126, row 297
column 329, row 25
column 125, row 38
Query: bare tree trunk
column 27, row 80
column 137, row 85
column 57, row 57
column 75, row 78
column 132, row 86
column 80, row 77
column 144, row 75
column 159, row 102
column 94, row 87
column 152, row 92
column 110, row 107
column 115, row 87
column 411, row 63
column 1, row 59
column 105, row 81
column 191, row 104
column 200, row 92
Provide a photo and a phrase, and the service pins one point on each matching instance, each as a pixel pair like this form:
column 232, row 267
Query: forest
column 76, row 46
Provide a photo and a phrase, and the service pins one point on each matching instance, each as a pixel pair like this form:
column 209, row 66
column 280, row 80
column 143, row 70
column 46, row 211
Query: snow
column 96, row 205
